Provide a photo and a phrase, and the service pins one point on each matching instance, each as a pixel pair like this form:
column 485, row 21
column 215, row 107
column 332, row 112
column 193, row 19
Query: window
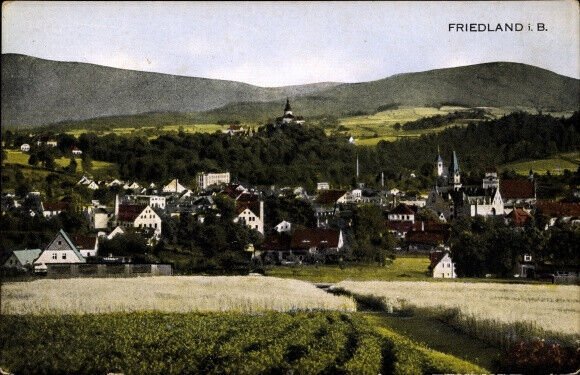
column 54, row 256
column 59, row 242
column 64, row 256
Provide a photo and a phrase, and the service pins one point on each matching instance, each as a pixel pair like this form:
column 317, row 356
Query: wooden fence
column 107, row 270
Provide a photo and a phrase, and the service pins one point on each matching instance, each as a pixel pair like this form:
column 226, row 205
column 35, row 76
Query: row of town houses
column 144, row 208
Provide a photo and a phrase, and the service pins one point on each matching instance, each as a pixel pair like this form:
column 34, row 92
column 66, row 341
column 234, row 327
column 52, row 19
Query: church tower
column 454, row 173
column 439, row 162
column 287, row 108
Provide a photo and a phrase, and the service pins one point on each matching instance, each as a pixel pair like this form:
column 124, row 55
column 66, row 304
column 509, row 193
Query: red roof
column 402, row 209
column 84, row 242
column 56, row 206
column 329, row 196
column 558, row 209
column 400, row 226
column 517, row 189
column 315, row 237
column 519, row 217
column 428, row 238
column 435, row 257
column 276, row 242
column 254, row 206
column 431, row 226
column 129, row 212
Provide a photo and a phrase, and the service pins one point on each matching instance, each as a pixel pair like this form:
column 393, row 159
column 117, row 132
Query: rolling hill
column 37, row 92
column 498, row 84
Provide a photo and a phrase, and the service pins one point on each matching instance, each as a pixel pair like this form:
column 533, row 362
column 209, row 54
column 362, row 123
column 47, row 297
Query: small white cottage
column 442, row 265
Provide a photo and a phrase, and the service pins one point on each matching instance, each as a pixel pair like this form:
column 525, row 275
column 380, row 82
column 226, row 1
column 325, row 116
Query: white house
column 174, row 187
column 53, row 209
column 442, row 265
column 155, row 201
column 138, row 216
column 22, row 259
column 283, row 226
column 76, row 152
column 322, row 186
column 25, row 147
column 251, row 214
column 204, row 180
column 132, row 186
column 60, row 250
column 402, row 213
column 88, row 183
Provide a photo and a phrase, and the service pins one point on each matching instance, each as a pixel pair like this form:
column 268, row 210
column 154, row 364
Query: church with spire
column 450, row 199
column 288, row 117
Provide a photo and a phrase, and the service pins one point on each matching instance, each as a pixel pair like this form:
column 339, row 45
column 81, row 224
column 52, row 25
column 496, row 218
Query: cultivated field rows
column 549, row 307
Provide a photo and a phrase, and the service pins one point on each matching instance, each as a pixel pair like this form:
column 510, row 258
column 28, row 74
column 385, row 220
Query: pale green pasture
column 19, row 157
column 555, row 165
column 152, row 131
column 371, row 129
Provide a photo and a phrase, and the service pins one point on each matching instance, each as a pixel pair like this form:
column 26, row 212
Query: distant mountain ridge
column 37, row 92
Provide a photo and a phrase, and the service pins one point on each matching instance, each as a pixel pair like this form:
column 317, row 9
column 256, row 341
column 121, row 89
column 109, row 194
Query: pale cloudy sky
column 274, row 44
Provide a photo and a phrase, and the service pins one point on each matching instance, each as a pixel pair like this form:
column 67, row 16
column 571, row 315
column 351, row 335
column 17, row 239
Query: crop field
column 552, row 308
column 555, row 165
column 402, row 268
column 216, row 343
column 167, row 294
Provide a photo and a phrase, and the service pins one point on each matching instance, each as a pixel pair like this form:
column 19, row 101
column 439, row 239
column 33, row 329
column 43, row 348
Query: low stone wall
column 107, row 270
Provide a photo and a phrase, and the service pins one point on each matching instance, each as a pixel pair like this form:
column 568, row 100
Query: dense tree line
column 487, row 246
column 442, row 120
column 291, row 155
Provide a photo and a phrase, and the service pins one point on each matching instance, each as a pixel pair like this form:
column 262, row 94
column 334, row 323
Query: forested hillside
column 292, row 154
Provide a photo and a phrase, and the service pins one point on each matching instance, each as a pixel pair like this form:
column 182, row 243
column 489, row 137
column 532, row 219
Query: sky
column 289, row 43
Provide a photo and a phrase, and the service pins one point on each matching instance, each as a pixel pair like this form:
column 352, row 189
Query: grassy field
column 21, row 158
column 553, row 308
column 430, row 332
column 168, row 294
column 554, row 165
column 403, row 268
column 153, row 132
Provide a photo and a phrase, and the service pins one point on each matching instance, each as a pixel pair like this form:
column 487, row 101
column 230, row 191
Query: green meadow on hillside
column 555, row 165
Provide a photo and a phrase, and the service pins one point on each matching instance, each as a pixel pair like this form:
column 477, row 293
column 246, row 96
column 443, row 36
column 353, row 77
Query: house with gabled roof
column 442, row 265
column 88, row 246
column 138, row 216
column 317, row 241
column 518, row 192
column 251, row 213
column 518, row 217
column 22, row 259
column 50, row 209
column 60, row 250
column 402, row 213
column 174, row 187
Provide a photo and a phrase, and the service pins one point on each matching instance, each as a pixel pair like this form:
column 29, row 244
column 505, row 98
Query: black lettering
column 541, row 27
column 519, row 27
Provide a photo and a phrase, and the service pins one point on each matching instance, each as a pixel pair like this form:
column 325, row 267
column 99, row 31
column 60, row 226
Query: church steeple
column 287, row 108
column 439, row 162
column 454, row 173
